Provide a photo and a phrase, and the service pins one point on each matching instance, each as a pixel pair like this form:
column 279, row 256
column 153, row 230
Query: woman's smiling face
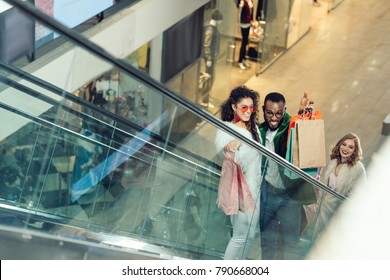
column 347, row 149
column 244, row 108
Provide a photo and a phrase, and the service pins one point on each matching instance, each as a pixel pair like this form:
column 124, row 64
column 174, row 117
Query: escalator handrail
column 143, row 77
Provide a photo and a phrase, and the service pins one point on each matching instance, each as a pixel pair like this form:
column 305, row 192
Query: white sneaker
column 241, row 65
column 246, row 63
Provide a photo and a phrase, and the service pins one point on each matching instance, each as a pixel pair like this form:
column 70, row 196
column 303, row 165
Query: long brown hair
column 238, row 93
column 357, row 154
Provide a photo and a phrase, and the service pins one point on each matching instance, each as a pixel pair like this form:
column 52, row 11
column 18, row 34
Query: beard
column 273, row 128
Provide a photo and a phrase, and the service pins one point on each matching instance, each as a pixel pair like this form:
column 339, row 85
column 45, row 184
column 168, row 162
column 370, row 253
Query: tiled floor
column 343, row 64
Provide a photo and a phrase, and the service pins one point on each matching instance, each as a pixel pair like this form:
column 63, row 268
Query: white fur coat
column 248, row 158
column 347, row 178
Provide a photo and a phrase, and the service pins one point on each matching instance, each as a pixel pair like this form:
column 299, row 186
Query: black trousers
column 244, row 43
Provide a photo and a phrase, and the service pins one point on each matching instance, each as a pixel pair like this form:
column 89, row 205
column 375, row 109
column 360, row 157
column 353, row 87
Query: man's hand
column 209, row 63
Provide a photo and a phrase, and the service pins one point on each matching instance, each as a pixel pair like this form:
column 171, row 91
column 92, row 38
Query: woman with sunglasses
column 240, row 113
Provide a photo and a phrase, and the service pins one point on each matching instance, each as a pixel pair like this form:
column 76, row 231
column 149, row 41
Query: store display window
column 120, row 94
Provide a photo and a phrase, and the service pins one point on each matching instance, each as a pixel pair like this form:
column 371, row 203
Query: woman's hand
column 318, row 175
column 232, row 146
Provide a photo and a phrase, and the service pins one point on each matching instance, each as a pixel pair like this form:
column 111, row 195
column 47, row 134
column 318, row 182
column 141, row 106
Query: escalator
column 80, row 170
column 73, row 170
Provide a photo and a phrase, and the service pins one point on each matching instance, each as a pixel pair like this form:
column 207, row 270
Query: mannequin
column 211, row 42
column 245, row 18
column 211, row 38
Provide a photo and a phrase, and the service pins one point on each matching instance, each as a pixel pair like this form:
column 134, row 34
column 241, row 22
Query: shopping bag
column 233, row 190
column 246, row 203
column 290, row 142
column 309, row 144
column 316, row 115
column 289, row 157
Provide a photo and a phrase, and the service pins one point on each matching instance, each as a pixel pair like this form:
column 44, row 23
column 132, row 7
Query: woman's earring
column 236, row 117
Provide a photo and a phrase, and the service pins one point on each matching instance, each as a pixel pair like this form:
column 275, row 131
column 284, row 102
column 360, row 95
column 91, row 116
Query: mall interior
column 110, row 112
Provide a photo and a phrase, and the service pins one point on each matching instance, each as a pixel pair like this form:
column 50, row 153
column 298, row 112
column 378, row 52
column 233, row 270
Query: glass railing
column 140, row 166
column 113, row 182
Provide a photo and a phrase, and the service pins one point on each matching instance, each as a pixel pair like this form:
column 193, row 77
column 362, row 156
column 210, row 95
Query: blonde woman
column 342, row 174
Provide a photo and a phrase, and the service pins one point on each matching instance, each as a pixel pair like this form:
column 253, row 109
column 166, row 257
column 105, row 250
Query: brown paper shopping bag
column 309, row 144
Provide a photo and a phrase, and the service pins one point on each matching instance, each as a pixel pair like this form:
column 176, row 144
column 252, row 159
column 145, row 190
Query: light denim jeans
column 244, row 231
